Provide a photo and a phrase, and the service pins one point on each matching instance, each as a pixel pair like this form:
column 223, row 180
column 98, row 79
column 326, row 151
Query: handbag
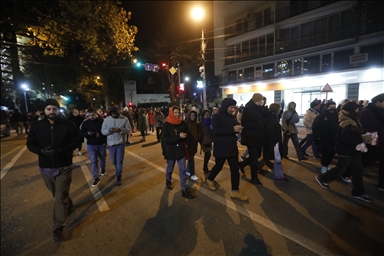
column 186, row 150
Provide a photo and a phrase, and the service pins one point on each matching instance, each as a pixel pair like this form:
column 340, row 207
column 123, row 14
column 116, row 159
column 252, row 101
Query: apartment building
column 292, row 49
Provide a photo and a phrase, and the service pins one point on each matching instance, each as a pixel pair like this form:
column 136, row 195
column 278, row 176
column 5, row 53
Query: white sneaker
column 324, row 169
column 80, row 153
column 188, row 173
column 194, row 177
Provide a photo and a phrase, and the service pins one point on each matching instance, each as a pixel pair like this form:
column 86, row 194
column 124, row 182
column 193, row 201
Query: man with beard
column 116, row 127
column 348, row 136
column 53, row 139
column 324, row 129
column 372, row 120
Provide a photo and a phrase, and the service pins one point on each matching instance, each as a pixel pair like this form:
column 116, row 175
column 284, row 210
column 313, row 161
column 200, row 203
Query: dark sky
column 149, row 16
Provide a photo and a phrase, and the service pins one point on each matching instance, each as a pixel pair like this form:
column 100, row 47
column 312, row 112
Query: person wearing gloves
column 290, row 119
column 116, row 127
column 53, row 139
column 348, row 136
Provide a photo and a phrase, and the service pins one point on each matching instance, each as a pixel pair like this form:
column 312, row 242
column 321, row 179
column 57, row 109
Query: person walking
column 206, row 138
column 173, row 148
column 116, row 127
column 142, row 124
column 324, row 128
column 289, row 121
column 225, row 147
column 253, row 133
column 194, row 135
column 151, row 122
column 53, row 139
column 308, row 119
column 78, row 120
column 348, row 136
column 372, row 120
column 159, row 120
column 96, row 144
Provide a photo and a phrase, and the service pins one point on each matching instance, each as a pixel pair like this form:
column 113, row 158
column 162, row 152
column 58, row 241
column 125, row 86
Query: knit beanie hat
column 52, row 102
column 315, row 103
column 257, row 97
column 330, row 102
column 378, row 98
column 350, row 106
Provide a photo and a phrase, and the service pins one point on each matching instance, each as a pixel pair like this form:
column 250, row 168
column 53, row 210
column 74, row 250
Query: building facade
column 291, row 49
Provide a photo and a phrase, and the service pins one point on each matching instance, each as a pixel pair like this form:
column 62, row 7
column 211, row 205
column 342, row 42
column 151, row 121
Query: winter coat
column 253, row 122
column 348, row 135
column 159, row 119
column 206, row 138
column 273, row 135
column 194, row 133
column 372, row 120
column 291, row 127
column 324, row 127
column 151, row 118
column 93, row 126
column 141, row 121
column 63, row 134
column 115, row 138
column 171, row 143
column 224, row 136
column 308, row 119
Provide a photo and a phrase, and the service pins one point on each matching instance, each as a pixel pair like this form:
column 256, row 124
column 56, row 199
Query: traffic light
column 202, row 71
column 164, row 65
column 130, row 104
column 181, row 89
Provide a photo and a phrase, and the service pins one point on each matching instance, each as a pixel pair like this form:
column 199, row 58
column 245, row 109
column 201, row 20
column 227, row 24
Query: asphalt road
column 142, row 217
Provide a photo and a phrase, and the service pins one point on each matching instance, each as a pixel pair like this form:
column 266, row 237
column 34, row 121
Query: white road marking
column 101, row 203
column 10, row 152
column 12, row 162
column 306, row 243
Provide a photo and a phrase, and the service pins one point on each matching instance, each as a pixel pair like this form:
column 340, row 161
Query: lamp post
column 197, row 14
column 25, row 88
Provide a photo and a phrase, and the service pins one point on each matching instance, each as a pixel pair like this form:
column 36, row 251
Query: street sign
column 327, row 88
column 172, row 70
column 151, row 67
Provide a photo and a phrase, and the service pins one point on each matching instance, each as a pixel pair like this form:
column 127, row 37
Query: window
column 239, row 26
column 238, row 52
column 294, row 38
column 311, row 65
column 232, row 76
column 306, row 35
column 341, row 59
column 375, row 54
column 326, row 62
column 258, row 73
column 240, row 74
column 347, row 27
column 230, row 55
column 249, row 74
column 268, row 71
column 297, row 67
column 259, row 20
column 333, row 28
column 262, row 46
column 253, row 48
column 245, row 51
column 270, row 43
column 320, row 31
column 267, row 17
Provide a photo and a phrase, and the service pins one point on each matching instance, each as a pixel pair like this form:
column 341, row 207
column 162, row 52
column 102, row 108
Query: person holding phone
column 96, row 144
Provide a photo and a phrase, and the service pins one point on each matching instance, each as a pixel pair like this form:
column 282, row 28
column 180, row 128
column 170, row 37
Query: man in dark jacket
column 348, row 136
column 96, row 144
column 225, row 147
column 372, row 120
column 253, row 133
column 53, row 139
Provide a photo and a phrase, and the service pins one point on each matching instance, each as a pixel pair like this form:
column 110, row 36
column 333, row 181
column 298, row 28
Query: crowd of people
column 353, row 130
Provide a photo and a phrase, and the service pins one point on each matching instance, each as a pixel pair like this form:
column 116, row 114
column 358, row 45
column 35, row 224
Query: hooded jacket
column 308, row 119
column 224, row 136
column 115, row 138
column 63, row 134
column 291, row 127
column 253, row 121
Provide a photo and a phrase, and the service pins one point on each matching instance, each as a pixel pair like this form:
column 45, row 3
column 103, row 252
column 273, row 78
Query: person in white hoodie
column 116, row 127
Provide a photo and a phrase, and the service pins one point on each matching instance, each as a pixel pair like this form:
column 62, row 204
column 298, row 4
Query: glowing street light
column 198, row 14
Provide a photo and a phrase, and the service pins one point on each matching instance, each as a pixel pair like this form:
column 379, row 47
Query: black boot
column 241, row 167
column 205, row 169
column 168, row 183
column 118, row 181
column 185, row 193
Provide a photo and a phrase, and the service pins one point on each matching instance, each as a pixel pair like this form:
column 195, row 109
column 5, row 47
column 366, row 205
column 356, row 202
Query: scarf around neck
column 171, row 117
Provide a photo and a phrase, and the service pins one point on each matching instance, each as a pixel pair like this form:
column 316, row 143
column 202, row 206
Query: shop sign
column 357, row 58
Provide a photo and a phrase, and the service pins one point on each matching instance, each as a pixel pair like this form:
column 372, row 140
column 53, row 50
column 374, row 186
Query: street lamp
column 25, row 88
column 198, row 14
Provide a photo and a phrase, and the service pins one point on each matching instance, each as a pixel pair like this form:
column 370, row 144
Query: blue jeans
column 152, row 128
column 309, row 143
column 117, row 156
column 182, row 174
column 95, row 152
column 191, row 165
